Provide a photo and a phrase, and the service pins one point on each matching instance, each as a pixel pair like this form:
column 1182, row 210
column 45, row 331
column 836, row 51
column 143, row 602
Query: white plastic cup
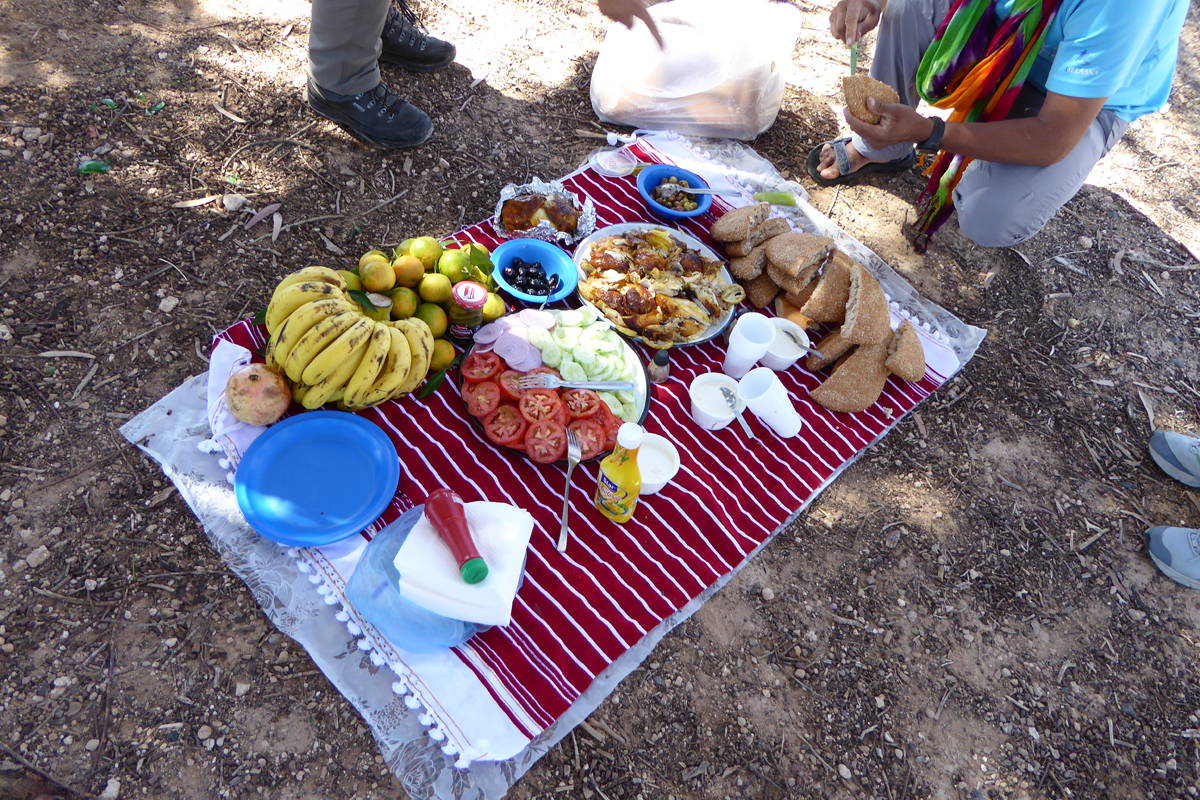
column 658, row 461
column 762, row 392
column 790, row 342
column 751, row 337
column 709, row 409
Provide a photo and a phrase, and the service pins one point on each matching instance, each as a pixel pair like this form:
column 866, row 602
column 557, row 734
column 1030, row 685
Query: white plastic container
column 752, row 335
column 709, row 409
column 658, row 461
column 765, row 395
column 790, row 342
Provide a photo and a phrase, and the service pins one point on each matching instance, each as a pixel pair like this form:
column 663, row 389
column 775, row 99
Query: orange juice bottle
column 620, row 479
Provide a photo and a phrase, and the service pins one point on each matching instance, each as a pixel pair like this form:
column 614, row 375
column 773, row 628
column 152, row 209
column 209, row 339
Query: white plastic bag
column 721, row 73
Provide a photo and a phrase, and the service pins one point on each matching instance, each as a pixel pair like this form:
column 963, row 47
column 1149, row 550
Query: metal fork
column 672, row 189
column 543, row 380
column 574, row 453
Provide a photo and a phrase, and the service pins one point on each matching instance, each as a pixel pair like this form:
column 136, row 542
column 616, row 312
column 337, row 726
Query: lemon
column 434, row 288
column 404, row 303
column 494, row 308
column 455, row 264
column 371, row 255
column 427, row 249
column 402, row 248
column 443, row 355
column 377, row 276
column 353, row 282
column 409, row 270
column 433, row 316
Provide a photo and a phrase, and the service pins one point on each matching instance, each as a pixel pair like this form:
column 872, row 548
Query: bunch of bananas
column 333, row 353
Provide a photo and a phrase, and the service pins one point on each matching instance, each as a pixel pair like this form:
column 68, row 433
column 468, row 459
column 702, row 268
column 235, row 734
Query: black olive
column 552, row 283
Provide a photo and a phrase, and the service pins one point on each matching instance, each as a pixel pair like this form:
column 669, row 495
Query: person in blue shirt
column 1104, row 64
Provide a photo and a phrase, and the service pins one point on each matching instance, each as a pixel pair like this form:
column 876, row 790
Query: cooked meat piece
column 648, row 258
column 517, row 214
column 562, row 214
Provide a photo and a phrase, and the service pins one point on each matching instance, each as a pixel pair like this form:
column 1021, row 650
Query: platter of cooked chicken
column 660, row 286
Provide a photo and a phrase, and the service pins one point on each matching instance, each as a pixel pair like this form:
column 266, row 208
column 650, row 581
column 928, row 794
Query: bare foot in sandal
column 828, row 166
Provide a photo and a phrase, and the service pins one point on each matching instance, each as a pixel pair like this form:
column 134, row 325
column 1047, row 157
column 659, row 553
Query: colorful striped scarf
column 977, row 66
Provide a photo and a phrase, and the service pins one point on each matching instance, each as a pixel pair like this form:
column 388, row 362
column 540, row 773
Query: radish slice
column 536, row 318
column 513, row 349
column 490, row 332
column 531, row 361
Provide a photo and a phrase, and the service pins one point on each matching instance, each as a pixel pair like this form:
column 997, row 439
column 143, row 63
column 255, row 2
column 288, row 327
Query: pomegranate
column 258, row 394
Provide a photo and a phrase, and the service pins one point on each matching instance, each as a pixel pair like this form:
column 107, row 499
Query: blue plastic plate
column 316, row 478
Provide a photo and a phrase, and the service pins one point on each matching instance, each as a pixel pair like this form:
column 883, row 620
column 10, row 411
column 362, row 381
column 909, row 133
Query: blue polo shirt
column 1125, row 50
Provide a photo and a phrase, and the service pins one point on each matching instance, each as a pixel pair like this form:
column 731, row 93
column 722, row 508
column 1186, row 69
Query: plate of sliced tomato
column 534, row 422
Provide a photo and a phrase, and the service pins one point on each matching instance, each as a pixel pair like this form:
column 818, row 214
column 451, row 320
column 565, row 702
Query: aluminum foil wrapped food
column 543, row 210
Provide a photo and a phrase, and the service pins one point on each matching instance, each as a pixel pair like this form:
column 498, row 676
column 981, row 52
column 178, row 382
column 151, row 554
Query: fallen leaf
column 199, row 201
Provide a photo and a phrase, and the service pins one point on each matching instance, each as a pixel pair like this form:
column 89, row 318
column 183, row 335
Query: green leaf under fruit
column 432, row 384
column 362, row 299
column 260, row 317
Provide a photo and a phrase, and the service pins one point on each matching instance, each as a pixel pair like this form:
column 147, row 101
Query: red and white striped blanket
column 577, row 612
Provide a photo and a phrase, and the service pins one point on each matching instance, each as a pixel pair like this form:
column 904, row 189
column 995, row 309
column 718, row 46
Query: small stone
column 91, row 745
column 90, row 584
column 1136, row 615
column 30, row 134
column 768, row 594
column 171, row 642
column 62, row 680
column 112, row 790
column 38, row 556
column 204, row 732
column 845, row 772
column 1086, row 243
column 168, row 304
column 233, row 202
column 241, row 689
column 1171, row 765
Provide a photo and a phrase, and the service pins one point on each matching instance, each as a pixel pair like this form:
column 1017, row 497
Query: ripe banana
column 420, row 342
column 394, row 371
column 333, row 385
column 312, row 343
column 300, row 322
column 335, row 354
column 318, row 274
column 298, row 392
column 293, row 297
column 364, row 377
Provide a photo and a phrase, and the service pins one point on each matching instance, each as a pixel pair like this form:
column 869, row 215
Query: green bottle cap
column 474, row 571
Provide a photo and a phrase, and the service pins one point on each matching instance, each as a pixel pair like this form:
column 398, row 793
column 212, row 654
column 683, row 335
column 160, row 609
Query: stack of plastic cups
column 752, row 335
column 763, row 394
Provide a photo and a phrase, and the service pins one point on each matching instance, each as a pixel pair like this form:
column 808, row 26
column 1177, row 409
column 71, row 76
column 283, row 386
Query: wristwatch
column 934, row 142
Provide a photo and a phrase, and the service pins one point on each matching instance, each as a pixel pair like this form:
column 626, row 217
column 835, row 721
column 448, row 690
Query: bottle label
column 611, row 498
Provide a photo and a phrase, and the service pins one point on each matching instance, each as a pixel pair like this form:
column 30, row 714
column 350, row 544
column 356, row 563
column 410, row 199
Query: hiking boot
column 1176, row 551
column 379, row 116
column 408, row 46
column 1177, row 455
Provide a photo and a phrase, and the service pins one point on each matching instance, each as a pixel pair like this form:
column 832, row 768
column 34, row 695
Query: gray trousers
column 998, row 205
column 344, row 44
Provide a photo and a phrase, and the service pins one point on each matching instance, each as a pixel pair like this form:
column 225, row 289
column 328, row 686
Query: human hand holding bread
column 809, row 281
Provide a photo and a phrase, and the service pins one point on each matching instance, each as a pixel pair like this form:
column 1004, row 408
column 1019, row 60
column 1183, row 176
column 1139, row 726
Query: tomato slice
column 541, row 404
column 592, row 436
column 610, row 423
column 481, row 366
column 582, row 402
column 546, row 442
column 508, row 380
column 481, row 398
column 505, row 426
column 544, row 371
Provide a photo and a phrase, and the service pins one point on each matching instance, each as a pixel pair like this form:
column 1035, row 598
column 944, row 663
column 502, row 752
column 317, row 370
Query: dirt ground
column 967, row 613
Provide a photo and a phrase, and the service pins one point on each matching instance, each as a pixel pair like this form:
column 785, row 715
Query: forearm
column 1012, row 141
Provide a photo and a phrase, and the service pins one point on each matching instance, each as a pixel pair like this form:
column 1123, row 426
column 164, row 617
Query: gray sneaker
column 1176, row 551
column 1177, row 455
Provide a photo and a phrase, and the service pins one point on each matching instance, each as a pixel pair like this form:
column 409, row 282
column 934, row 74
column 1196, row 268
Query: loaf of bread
column 867, row 317
column 832, row 347
column 831, row 292
column 749, row 266
column 760, row 291
column 758, row 234
column 857, row 88
column 736, row 225
column 906, row 356
column 856, row 382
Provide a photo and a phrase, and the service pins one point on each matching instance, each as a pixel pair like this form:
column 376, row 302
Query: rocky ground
column 967, row 613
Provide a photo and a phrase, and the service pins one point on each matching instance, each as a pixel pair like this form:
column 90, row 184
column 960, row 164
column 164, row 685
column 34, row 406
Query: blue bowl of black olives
column 533, row 271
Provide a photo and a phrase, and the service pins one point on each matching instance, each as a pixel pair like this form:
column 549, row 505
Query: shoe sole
column 408, row 65
column 362, row 137
column 1175, row 574
column 1186, row 478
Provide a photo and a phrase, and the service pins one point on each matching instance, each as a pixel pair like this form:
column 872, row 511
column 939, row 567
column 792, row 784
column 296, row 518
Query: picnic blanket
column 585, row 618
